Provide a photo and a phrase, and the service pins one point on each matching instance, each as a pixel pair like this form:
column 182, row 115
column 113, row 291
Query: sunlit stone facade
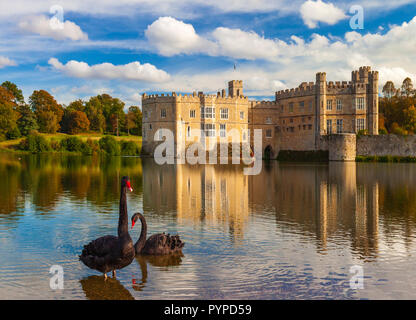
column 296, row 120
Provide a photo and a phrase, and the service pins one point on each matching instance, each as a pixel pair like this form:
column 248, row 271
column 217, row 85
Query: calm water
column 293, row 231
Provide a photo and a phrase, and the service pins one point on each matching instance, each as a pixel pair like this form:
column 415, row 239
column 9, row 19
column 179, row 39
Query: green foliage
column 303, row 156
column 27, row 122
column 8, row 114
column 382, row 131
column 48, row 112
column 134, row 121
column 129, row 148
column 75, row 121
column 387, row 159
column 35, row 143
column 75, row 144
column 13, row 133
column 110, row 146
column 363, row 132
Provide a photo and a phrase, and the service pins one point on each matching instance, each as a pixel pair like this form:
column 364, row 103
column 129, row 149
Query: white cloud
column 6, row 62
column 131, row 71
column 313, row 12
column 52, row 28
column 170, row 36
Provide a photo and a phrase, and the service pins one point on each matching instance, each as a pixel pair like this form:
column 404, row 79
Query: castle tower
column 235, row 88
column 372, row 106
column 320, row 91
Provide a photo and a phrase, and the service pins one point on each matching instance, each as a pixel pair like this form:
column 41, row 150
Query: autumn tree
column 48, row 112
column 8, row 113
column 15, row 91
column 75, row 121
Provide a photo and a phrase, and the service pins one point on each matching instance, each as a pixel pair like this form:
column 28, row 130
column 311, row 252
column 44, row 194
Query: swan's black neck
column 142, row 239
column 123, row 227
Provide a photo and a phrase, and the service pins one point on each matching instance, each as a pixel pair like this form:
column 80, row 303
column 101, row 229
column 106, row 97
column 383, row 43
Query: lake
column 295, row 231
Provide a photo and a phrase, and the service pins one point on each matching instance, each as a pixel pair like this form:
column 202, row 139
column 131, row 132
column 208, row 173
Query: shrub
column 94, row 145
column 75, row 144
column 13, row 134
column 382, row 131
column 363, row 132
column 35, row 143
column 110, row 146
column 129, row 148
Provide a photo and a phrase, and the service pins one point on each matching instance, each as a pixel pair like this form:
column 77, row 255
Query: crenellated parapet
column 304, row 89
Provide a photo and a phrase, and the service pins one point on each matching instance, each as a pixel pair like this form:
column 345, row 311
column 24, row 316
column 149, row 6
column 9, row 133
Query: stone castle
column 314, row 116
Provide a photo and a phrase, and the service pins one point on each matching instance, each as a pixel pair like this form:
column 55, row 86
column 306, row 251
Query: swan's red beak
column 132, row 223
column 129, row 186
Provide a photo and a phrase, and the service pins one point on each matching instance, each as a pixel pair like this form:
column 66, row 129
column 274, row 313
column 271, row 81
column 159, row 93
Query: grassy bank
column 58, row 138
column 389, row 159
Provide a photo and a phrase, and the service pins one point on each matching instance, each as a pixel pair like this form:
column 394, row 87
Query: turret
column 235, row 88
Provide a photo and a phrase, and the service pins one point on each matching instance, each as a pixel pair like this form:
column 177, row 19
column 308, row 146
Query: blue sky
column 128, row 47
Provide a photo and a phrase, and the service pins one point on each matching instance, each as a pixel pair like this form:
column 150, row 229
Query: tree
column 48, row 112
column 8, row 114
column 27, row 121
column 95, row 115
column 410, row 119
column 134, row 121
column 15, row 91
column 112, row 109
column 389, row 89
column 75, row 121
column 407, row 87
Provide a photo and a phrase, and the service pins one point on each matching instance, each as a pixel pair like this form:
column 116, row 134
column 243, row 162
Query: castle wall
column 386, row 145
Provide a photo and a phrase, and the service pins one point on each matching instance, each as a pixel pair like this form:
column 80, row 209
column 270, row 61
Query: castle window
column 150, row 126
column 242, row 115
column 145, row 115
column 310, row 105
column 244, row 136
column 209, row 129
column 224, row 113
column 339, row 105
column 192, row 113
column 339, row 125
column 222, row 130
column 189, row 131
column 291, row 107
column 209, row 113
column 291, row 120
column 144, row 133
column 302, row 105
column 360, row 104
column 163, row 113
column 328, row 104
column 268, row 133
column 329, row 126
column 269, row 120
column 309, row 126
column 360, row 124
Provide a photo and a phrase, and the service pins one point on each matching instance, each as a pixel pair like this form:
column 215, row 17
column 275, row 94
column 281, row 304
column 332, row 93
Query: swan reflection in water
column 95, row 288
column 156, row 261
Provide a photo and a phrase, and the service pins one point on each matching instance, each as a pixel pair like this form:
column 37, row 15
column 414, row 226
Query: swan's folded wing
column 101, row 247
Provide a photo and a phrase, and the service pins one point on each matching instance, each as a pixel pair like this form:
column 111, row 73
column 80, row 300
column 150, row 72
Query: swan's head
column 125, row 182
column 134, row 219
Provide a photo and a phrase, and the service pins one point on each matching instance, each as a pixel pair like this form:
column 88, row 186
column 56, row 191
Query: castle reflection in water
column 335, row 200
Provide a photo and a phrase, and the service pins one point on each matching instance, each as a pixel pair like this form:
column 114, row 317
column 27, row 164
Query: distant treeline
column 101, row 114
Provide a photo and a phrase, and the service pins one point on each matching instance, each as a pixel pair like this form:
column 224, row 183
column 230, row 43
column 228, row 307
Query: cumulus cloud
column 6, row 62
column 170, row 36
column 131, row 71
column 52, row 28
column 313, row 12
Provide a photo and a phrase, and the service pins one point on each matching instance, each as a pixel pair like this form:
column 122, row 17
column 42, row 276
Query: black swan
column 110, row 253
column 157, row 244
